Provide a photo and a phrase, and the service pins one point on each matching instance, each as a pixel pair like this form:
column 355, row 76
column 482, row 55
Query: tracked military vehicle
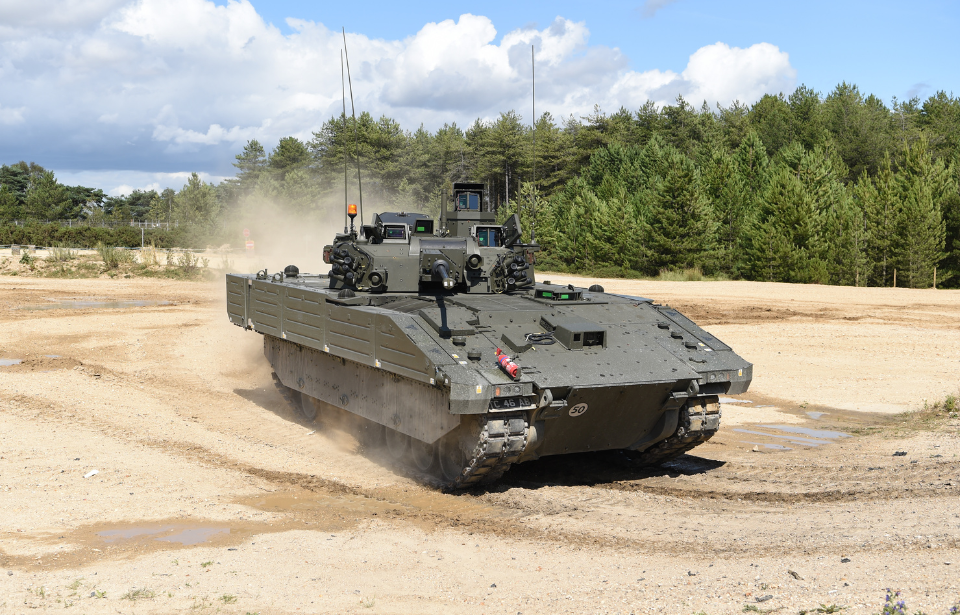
column 459, row 361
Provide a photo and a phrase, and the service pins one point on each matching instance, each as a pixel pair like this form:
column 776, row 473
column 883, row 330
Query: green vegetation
column 113, row 257
column 834, row 189
column 61, row 254
column 139, row 594
column 47, row 234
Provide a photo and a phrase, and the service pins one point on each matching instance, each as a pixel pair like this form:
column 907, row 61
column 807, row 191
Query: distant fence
column 144, row 224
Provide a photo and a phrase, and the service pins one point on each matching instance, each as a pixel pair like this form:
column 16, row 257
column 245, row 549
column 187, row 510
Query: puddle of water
column 806, row 431
column 730, row 400
column 71, row 304
column 789, row 439
column 196, row 535
column 816, row 415
column 133, row 532
column 776, row 447
column 52, row 356
column 9, row 362
column 182, row 534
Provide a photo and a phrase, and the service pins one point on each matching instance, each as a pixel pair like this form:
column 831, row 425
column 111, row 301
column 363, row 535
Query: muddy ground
column 210, row 494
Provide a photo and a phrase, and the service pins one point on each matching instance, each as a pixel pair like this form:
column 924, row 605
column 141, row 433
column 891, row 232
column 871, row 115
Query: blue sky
column 124, row 94
column 887, row 48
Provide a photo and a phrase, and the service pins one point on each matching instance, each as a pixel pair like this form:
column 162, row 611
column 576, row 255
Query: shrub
column 691, row 274
column 113, row 257
column 61, row 254
column 149, row 256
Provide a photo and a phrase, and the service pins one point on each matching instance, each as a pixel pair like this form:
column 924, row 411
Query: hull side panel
column 412, row 408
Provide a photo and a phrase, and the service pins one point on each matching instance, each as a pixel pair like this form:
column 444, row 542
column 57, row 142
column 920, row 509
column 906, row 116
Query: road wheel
column 423, row 454
column 309, row 407
column 451, row 457
column 370, row 435
column 397, row 443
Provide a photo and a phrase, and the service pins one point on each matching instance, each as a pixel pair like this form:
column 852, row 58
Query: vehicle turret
column 402, row 252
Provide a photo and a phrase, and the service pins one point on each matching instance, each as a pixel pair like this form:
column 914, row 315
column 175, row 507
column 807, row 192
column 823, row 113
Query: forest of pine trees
column 835, row 189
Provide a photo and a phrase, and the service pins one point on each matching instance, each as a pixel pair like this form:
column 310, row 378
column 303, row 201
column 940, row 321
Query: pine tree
column 921, row 233
column 920, row 237
column 772, row 119
column 779, row 244
column 46, row 199
column 196, row 203
column 10, row 208
column 734, row 185
column 251, row 163
column 880, row 201
column 950, row 275
column 680, row 231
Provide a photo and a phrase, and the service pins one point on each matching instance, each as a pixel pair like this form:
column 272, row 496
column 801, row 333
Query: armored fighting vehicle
column 458, row 361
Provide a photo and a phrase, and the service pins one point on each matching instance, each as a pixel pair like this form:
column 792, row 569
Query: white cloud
column 120, row 182
column 169, row 84
column 55, row 14
column 715, row 73
column 650, row 7
column 11, row 116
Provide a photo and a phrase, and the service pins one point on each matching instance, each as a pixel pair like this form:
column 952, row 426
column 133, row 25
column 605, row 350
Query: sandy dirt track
column 176, row 410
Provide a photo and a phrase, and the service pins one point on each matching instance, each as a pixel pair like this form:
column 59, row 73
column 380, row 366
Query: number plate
column 507, row 403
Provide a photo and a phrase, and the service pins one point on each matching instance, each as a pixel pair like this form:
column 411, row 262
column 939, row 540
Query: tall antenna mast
column 533, row 196
column 343, row 92
column 356, row 134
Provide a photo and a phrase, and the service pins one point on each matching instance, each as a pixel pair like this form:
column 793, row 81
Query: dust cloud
column 284, row 237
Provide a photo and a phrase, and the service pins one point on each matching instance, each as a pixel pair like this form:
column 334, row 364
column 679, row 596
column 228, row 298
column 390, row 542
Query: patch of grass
column 26, row 259
column 113, row 257
column 228, row 599
column 61, row 254
column 205, row 564
column 931, row 415
column 75, row 585
column 690, row 274
column 150, row 256
column 99, row 593
column 188, row 262
column 201, row 604
column 139, row 594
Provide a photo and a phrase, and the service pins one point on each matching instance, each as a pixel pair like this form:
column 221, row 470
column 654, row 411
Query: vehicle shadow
column 576, row 469
column 594, row 469
column 270, row 399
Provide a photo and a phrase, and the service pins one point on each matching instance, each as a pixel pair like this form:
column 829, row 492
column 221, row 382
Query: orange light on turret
column 351, row 209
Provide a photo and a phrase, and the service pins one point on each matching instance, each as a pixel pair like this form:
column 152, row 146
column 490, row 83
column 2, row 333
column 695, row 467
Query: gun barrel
column 442, row 270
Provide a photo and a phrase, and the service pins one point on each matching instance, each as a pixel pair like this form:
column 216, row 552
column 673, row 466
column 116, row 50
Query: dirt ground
column 211, row 495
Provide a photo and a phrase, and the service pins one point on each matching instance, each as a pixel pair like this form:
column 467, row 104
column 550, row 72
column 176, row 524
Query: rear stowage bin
column 238, row 295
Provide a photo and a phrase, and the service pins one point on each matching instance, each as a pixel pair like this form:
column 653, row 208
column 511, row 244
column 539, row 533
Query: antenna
column 356, row 134
column 533, row 195
column 343, row 92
